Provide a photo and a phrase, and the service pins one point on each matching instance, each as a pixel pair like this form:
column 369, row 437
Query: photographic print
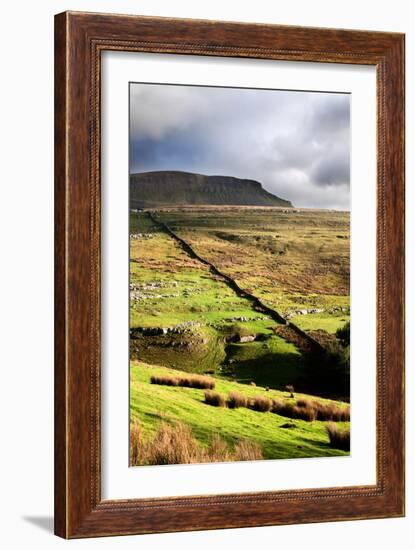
column 239, row 274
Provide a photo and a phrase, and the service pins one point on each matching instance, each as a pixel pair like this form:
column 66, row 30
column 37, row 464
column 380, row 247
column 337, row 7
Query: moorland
column 239, row 333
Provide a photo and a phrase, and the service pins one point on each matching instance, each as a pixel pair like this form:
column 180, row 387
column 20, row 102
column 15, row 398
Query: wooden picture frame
column 79, row 40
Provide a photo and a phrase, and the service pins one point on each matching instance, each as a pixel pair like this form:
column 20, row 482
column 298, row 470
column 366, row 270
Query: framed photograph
column 229, row 275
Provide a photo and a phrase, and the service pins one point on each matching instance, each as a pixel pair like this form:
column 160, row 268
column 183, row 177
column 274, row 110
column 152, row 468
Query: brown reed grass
column 175, row 444
column 190, row 381
column 236, row 400
column 260, row 404
column 215, row 399
column 339, row 438
column 305, row 409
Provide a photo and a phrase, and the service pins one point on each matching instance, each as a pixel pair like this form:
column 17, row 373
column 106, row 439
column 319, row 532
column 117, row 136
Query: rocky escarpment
column 157, row 189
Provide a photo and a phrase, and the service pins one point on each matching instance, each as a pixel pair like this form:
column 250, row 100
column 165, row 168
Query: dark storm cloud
column 295, row 143
column 331, row 170
column 332, row 115
column 152, row 152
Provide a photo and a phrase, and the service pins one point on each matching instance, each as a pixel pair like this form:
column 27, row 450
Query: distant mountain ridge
column 164, row 188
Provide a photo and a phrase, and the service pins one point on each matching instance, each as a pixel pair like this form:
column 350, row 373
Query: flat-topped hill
column 157, row 189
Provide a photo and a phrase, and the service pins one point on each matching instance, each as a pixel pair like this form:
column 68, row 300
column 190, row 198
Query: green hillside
column 278, row 437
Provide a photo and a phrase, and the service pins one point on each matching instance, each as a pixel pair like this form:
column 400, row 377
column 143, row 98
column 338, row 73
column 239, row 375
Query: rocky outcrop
column 164, row 188
column 181, row 328
column 332, row 310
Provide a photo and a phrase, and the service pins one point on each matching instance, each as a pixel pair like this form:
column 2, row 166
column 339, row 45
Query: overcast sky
column 297, row 144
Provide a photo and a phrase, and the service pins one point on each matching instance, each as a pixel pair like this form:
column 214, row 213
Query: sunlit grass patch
column 151, row 405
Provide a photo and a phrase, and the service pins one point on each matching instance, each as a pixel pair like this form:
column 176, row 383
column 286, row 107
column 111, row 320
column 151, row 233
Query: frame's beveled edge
column 60, row 252
column 206, row 516
column 240, row 39
column 86, row 15
column 393, row 254
column 79, row 39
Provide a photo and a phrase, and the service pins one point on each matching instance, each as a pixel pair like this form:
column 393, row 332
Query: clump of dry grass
column 134, row 443
column 175, row 444
column 172, row 445
column 301, row 410
column 191, row 381
column 218, row 450
column 260, row 404
column 305, row 409
column 164, row 380
column 307, row 412
column 247, row 450
column 332, row 412
column 215, row 399
column 339, row 438
column 197, row 381
column 283, row 408
column 236, row 400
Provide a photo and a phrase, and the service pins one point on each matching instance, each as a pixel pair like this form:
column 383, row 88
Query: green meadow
column 277, row 436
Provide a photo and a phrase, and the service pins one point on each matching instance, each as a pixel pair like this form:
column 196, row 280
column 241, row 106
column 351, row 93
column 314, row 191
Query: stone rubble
column 137, row 236
column 138, row 290
column 180, row 328
column 246, row 319
column 335, row 309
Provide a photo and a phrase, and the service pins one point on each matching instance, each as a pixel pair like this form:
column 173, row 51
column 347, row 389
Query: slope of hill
column 156, row 189
column 278, row 436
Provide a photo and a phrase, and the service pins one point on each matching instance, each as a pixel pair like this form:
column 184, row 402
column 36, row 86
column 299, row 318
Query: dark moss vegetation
column 327, row 374
column 343, row 334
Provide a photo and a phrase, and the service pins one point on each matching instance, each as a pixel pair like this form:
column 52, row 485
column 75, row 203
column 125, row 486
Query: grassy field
column 328, row 322
column 291, row 259
column 186, row 317
column 152, row 404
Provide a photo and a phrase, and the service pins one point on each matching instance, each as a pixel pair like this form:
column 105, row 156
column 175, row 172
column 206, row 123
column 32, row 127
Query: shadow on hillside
column 273, row 370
